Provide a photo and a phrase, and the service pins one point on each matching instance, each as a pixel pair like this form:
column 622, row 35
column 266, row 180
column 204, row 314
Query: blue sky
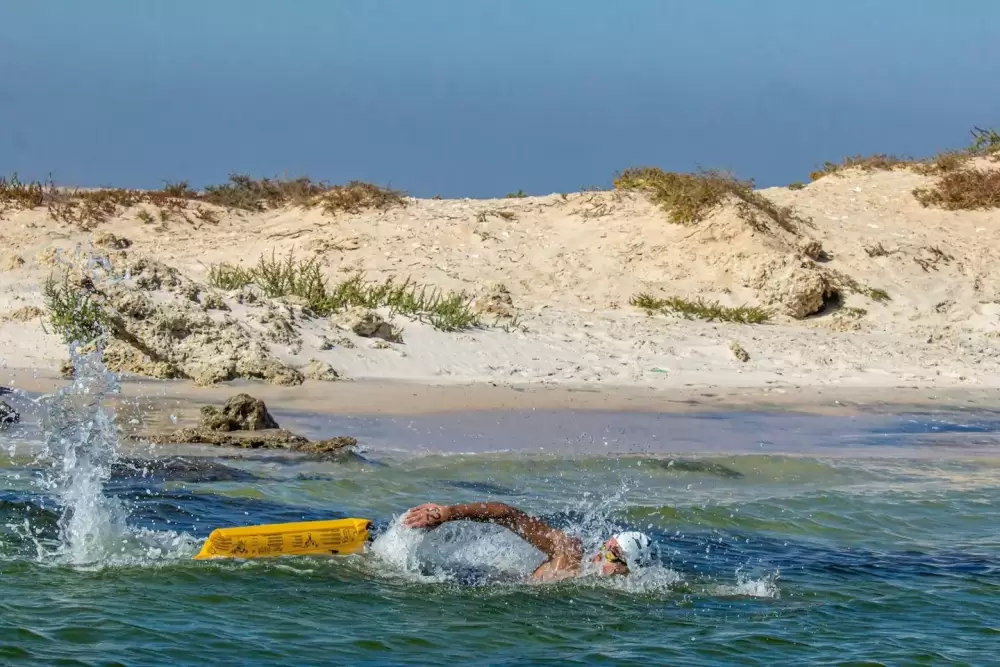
column 481, row 97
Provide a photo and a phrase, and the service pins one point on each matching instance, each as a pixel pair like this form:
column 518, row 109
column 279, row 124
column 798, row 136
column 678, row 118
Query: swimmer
column 619, row 555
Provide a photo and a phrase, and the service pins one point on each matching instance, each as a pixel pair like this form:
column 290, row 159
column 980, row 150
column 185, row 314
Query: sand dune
column 570, row 264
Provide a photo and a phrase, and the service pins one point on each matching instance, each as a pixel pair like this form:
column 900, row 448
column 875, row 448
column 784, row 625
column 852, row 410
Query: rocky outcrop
column 242, row 412
column 159, row 329
column 793, row 283
column 245, row 422
column 319, row 370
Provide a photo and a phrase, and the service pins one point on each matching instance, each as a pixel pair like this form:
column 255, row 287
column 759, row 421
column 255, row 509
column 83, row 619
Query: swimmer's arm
column 550, row 541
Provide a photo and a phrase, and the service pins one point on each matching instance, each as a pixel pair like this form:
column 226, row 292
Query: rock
column 274, row 438
column 338, row 445
column 25, row 314
column 120, row 357
column 799, row 287
column 213, row 301
column 242, row 412
column 372, row 325
column 149, row 274
column 269, row 370
column 739, row 352
column 113, row 241
column 319, row 370
column 10, row 262
column 8, row 415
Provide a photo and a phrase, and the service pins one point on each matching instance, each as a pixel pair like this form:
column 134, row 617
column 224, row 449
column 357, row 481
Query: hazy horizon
column 480, row 99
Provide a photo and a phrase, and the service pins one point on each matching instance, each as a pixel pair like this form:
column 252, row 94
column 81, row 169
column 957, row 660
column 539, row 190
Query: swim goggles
column 611, row 556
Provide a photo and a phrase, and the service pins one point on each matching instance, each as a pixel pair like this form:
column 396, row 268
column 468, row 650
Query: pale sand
column 571, row 263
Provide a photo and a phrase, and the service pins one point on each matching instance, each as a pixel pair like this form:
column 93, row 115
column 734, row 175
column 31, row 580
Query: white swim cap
column 636, row 547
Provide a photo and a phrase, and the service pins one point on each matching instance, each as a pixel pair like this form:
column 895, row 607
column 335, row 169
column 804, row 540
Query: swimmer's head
column 624, row 553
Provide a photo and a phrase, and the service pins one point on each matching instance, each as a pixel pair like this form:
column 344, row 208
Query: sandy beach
column 552, row 278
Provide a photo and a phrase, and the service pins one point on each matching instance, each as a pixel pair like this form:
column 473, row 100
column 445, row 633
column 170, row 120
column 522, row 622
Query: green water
column 808, row 540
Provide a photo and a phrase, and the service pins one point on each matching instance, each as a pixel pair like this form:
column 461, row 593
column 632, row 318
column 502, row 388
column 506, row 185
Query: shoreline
column 402, row 397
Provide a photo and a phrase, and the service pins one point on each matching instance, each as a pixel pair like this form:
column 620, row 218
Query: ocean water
column 782, row 538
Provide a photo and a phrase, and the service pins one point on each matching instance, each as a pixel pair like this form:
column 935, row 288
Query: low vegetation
column 15, row 193
column 965, row 189
column 960, row 186
column 72, row 312
column 689, row 198
column 87, row 208
column 303, row 278
column 869, row 163
column 700, row 309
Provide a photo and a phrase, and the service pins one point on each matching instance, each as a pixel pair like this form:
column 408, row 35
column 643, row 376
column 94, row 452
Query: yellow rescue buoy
column 305, row 538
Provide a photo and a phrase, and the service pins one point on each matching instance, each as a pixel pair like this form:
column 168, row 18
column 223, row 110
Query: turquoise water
column 783, row 539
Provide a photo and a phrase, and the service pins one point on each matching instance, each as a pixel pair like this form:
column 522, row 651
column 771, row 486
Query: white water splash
column 81, row 443
column 745, row 586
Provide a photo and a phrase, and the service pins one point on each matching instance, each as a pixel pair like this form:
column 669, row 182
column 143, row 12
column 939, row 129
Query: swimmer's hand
column 426, row 516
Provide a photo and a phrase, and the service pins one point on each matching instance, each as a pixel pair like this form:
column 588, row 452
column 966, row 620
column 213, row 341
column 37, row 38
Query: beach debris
column 242, row 412
column 739, row 352
column 320, row 370
column 8, row 415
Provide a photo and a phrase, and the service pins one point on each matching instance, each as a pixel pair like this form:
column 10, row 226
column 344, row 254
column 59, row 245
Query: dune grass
column 689, row 198
column 959, row 187
column 303, row 278
column 20, row 195
column 700, row 309
column 90, row 207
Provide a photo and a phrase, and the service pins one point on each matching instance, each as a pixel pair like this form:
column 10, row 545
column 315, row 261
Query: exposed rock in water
column 242, row 412
column 8, row 415
column 245, row 422
column 113, row 241
column 179, row 469
column 319, row 370
column 274, row 438
column 337, row 445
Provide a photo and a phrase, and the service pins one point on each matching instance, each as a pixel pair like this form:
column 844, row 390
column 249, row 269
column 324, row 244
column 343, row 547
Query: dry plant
column 689, row 198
